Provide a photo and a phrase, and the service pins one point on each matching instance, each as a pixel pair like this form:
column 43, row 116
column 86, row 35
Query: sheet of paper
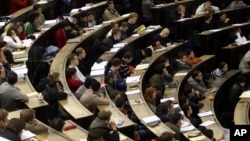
column 99, row 66
column 114, row 49
column 150, row 119
column 75, row 10
column 133, row 79
column 85, row 8
column 187, row 128
column 97, row 72
column 154, row 27
column 207, row 123
column 208, row 113
column 26, row 134
column 119, row 45
column 48, row 22
column 245, row 94
column 3, row 139
column 180, row 74
column 184, row 123
column 137, row 91
column 166, row 99
column 142, row 66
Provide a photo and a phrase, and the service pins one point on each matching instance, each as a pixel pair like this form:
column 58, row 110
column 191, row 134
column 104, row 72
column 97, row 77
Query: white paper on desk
column 207, row 123
column 48, row 22
column 2, row 23
column 166, row 99
column 125, row 15
column 136, row 35
column 154, row 27
column 74, row 40
column 97, row 72
column 36, row 35
column 45, row 29
column 83, row 139
column 106, row 22
column 74, row 10
column 187, row 128
column 159, row 5
column 238, row 24
column 133, row 92
column 149, row 30
column 85, row 8
column 119, row 45
column 27, row 42
column 141, row 66
column 99, row 66
column 245, row 94
column 215, row 30
column 26, row 134
column 150, row 119
column 208, row 113
column 133, row 79
column 180, row 74
column 18, row 67
column 4, row 139
column 114, row 49
column 42, row 2
column 184, row 123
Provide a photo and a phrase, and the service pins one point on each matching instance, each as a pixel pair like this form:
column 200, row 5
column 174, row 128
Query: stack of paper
column 26, row 134
column 166, row 99
column 133, row 79
column 99, row 66
column 74, row 40
column 187, row 128
column 97, row 72
column 207, row 123
column 205, row 114
column 137, row 91
column 21, row 71
column 153, row 27
column 180, row 74
column 142, row 66
column 50, row 22
column 151, row 120
column 245, row 94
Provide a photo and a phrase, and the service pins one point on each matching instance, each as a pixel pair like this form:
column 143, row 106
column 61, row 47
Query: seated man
column 146, row 11
column 196, row 80
column 163, row 37
column 38, row 8
column 181, row 62
column 28, row 115
column 124, row 68
column 223, row 21
column 206, row 8
column 108, row 129
column 141, row 54
column 132, row 24
column 11, row 97
column 110, row 12
column 237, row 4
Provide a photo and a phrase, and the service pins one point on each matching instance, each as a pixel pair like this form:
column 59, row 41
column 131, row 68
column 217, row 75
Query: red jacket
column 60, row 38
column 74, row 84
column 16, row 5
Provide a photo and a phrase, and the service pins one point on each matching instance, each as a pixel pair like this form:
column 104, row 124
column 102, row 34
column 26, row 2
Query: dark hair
column 195, row 73
column 16, row 124
column 27, row 114
column 115, row 31
column 109, row 76
column 64, row 24
column 241, row 79
column 70, row 72
column 148, row 52
column 222, row 64
column 181, row 54
column 156, row 86
column 32, row 16
column 175, row 118
column 95, row 86
column 124, row 24
column 187, row 89
column 94, row 134
column 107, row 42
column 116, row 62
column 188, row 51
column 166, row 136
column 182, row 100
column 113, row 94
column 2, row 43
column 158, row 69
column 128, row 55
column 104, row 115
column 9, row 31
column 185, row 108
column 36, row 6
column 88, row 81
column 207, row 16
column 11, row 77
column 120, row 102
column 162, row 109
column 57, row 123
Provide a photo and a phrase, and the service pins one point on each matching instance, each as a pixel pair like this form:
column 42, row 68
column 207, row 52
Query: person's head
column 116, row 63
column 3, row 45
column 197, row 75
column 73, row 60
column 147, row 52
column 116, row 33
column 158, row 69
column 88, row 82
column 38, row 8
column 223, row 16
column 164, row 60
column 28, row 115
column 166, row 136
column 53, row 75
column 95, row 135
column 95, row 86
column 162, row 109
column 65, row 26
column 208, row 5
column 150, row 95
column 189, row 91
column 223, row 66
column 11, row 32
column 157, row 87
column 209, row 133
column 208, row 17
column 120, row 102
column 72, row 20
column 11, row 77
column 127, row 57
column 176, row 119
column 107, row 42
column 114, row 25
column 190, row 53
column 84, row 17
column 111, row 78
column 124, row 26
column 170, row 106
column 182, row 56
column 208, row 78
column 187, row 109
column 241, row 80
column 19, row 27
column 110, row 5
column 114, row 95
column 58, row 124
column 80, row 52
column 105, row 116
column 156, row 44
column 3, row 118
column 33, row 17
column 133, row 18
column 181, row 9
column 91, row 16
column 183, row 100
column 17, row 125
column 71, row 73
column 165, row 32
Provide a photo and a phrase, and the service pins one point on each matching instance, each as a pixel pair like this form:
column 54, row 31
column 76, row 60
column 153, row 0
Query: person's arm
column 36, row 127
column 19, row 96
column 101, row 100
column 200, row 10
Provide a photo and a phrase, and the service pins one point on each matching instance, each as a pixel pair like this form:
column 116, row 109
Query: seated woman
column 179, row 13
column 19, row 27
column 72, row 80
column 149, row 97
column 220, row 71
column 13, row 40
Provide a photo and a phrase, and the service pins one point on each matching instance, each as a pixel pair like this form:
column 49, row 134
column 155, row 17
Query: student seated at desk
column 163, row 37
column 139, row 55
column 95, row 135
column 206, row 8
column 175, row 125
column 51, row 94
column 220, row 71
column 72, row 62
column 93, row 97
column 236, row 4
column 16, row 5
column 3, row 119
column 115, row 35
column 6, row 56
column 28, row 115
column 75, row 30
column 155, row 45
column 110, row 12
column 124, row 68
column 11, row 97
column 72, row 80
column 83, row 20
column 13, row 41
column 30, row 25
column 236, row 36
column 84, row 87
column 107, row 127
column 179, row 13
column 91, row 19
column 38, row 8
column 146, row 11
column 112, row 25
column 191, row 56
column 208, row 80
column 162, row 112
column 132, row 23
column 14, row 129
column 81, row 53
column 19, row 28
column 181, row 63
column 196, row 80
column 223, row 21
column 207, row 22
column 61, row 36
column 149, row 97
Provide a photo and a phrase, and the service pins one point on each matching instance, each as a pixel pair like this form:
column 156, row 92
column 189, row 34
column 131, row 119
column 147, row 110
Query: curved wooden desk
column 241, row 113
